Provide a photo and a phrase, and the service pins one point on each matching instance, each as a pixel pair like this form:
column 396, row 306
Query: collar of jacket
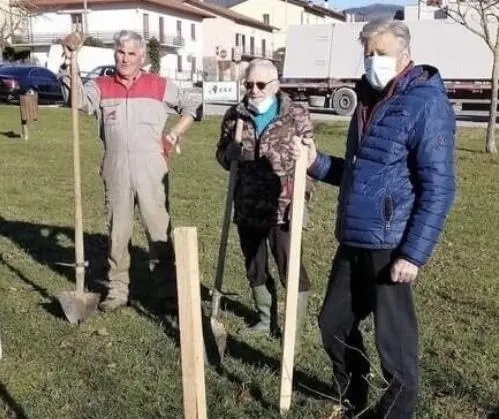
column 283, row 100
column 120, row 80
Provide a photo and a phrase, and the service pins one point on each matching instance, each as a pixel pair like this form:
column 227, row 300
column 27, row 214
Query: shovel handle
column 79, row 250
column 217, row 294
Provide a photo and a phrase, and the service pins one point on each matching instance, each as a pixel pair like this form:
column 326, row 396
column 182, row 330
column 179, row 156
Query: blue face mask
column 261, row 107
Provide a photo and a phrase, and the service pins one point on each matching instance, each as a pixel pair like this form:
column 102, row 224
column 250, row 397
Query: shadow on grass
column 12, row 408
column 10, row 134
column 53, row 247
column 241, row 351
column 447, row 381
column 469, row 306
column 494, row 413
column 469, row 150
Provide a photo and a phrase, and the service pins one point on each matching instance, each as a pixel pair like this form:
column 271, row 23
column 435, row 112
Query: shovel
column 218, row 329
column 77, row 305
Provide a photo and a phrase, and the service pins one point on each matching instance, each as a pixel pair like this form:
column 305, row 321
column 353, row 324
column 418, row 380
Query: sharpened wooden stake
column 191, row 332
column 292, row 287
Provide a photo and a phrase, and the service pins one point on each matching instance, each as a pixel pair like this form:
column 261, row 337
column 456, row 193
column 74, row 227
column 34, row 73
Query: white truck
column 89, row 58
column 323, row 62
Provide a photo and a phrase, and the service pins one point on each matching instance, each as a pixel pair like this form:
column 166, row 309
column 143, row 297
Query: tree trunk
column 490, row 144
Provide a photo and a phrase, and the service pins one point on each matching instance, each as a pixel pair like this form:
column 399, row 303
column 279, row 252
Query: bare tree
column 13, row 20
column 482, row 18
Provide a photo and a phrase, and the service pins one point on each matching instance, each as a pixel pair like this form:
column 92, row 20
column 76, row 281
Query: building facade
column 176, row 26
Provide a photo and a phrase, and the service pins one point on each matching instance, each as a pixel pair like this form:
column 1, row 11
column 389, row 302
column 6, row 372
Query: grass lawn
column 127, row 364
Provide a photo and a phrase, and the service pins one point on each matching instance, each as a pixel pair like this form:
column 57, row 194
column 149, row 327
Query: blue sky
column 344, row 4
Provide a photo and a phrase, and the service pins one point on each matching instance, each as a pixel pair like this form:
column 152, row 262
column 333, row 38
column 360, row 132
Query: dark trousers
column 360, row 284
column 254, row 247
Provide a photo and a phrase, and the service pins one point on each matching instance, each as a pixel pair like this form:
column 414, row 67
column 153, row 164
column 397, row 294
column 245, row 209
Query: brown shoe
column 111, row 303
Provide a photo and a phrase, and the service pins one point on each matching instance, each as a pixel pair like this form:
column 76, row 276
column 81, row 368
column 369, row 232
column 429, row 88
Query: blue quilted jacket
column 397, row 180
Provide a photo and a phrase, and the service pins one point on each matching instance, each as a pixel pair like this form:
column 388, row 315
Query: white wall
column 108, row 20
column 104, row 21
column 281, row 14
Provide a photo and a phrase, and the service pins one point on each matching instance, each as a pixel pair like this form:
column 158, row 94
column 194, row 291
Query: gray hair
column 263, row 64
column 127, row 35
column 380, row 26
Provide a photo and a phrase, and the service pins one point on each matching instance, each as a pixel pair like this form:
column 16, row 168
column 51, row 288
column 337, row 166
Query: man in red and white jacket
column 131, row 109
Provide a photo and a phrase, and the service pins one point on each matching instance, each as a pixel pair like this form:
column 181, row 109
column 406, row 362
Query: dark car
column 20, row 79
column 102, row 70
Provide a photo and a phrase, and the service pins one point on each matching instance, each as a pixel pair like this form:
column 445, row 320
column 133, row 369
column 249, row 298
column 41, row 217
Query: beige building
column 283, row 13
column 227, row 33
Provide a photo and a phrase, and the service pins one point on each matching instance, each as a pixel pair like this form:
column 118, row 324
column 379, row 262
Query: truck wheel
column 344, row 101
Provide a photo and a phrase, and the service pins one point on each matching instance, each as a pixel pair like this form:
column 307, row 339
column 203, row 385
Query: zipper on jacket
column 388, row 212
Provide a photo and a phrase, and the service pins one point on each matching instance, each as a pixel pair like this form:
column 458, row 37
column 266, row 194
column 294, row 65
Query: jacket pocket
column 111, row 113
column 388, row 211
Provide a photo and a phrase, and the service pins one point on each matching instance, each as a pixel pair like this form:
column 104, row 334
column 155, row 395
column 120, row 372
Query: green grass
column 127, row 364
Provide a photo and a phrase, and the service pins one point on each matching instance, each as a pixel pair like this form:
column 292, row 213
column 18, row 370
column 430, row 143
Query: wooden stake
column 292, row 286
column 191, row 333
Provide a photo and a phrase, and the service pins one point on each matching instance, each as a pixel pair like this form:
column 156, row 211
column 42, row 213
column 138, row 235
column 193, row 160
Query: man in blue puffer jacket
column 397, row 185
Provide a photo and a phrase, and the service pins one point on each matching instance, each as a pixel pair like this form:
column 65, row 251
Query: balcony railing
column 105, row 37
column 256, row 52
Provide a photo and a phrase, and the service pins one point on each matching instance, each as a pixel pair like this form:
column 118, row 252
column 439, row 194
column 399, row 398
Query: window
column 243, row 43
column 252, row 45
column 162, row 30
column 145, row 25
column 179, row 63
column 193, row 32
column 179, row 28
column 238, row 39
column 264, row 48
column 76, row 22
column 266, row 18
column 193, row 65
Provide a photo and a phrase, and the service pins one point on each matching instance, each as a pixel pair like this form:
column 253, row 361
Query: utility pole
column 85, row 19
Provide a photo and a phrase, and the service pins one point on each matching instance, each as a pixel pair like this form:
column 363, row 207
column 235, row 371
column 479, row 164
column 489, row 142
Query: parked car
column 102, row 70
column 20, row 79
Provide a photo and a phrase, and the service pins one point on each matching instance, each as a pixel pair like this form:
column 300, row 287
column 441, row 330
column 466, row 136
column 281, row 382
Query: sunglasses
column 259, row 84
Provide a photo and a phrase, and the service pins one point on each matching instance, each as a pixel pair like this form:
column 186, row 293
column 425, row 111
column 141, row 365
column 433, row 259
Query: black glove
column 234, row 151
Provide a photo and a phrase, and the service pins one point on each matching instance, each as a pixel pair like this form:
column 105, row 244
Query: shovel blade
column 219, row 335
column 78, row 306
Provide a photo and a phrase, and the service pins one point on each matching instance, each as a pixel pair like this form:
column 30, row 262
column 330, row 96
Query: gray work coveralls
column 131, row 122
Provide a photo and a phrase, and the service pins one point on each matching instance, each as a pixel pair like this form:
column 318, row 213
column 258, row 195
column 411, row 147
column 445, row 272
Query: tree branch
column 479, row 21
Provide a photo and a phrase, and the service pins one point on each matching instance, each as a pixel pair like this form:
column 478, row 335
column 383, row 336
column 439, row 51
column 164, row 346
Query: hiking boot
column 112, row 303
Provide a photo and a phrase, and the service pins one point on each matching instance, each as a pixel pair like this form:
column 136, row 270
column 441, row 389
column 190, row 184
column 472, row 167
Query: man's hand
column 171, row 141
column 71, row 43
column 310, row 146
column 403, row 271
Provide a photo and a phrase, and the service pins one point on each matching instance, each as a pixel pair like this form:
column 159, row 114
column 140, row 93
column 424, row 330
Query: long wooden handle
column 292, row 286
column 79, row 249
column 222, row 250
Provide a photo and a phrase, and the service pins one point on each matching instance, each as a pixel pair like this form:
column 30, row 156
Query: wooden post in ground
column 292, row 287
column 190, row 324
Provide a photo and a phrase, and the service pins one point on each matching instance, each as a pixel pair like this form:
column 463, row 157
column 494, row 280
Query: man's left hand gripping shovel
column 77, row 305
column 218, row 329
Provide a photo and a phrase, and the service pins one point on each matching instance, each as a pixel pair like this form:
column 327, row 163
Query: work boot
column 112, row 303
column 263, row 303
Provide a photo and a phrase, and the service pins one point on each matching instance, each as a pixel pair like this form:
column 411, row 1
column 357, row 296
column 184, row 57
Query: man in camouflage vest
column 264, row 185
